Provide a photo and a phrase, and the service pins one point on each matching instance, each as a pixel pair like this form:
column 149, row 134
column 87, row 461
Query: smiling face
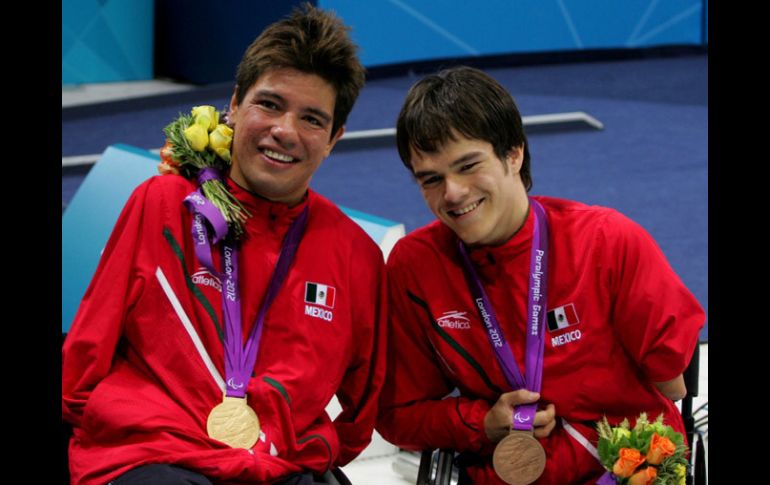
column 481, row 198
column 282, row 133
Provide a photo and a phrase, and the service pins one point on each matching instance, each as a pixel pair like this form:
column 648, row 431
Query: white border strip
column 534, row 120
column 80, row 160
column 90, row 159
column 361, row 134
column 188, row 326
column 580, row 438
column 555, row 118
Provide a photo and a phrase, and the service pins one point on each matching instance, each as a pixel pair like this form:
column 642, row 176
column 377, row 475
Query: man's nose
column 285, row 129
column 454, row 190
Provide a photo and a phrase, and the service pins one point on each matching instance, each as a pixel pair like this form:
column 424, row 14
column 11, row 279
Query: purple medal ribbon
column 197, row 202
column 607, row 479
column 203, row 210
column 239, row 361
column 524, row 415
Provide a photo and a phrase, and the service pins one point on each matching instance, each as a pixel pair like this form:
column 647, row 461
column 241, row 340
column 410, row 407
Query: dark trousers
column 161, row 474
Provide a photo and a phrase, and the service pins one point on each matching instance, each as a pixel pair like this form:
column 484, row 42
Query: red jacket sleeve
column 361, row 385
column 655, row 316
column 415, row 412
column 90, row 345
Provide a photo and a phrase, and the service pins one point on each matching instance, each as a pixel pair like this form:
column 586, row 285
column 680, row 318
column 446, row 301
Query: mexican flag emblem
column 319, row 294
column 562, row 317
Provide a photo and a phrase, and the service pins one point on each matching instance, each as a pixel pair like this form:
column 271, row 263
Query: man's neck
column 289, row 204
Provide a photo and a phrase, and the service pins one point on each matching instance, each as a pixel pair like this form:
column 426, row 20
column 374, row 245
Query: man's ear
column 515, row 158
column 233, row 103
column 333, row 141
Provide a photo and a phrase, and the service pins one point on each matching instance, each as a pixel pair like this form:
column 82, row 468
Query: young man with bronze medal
column 517, row 322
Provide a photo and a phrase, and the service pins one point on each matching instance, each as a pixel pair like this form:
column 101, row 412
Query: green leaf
column 191, row 162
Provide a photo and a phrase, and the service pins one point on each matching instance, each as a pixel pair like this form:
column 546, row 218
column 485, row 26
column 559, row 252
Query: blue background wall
column 395, row 31
column 200, row 41
column 196, row 41
column 106, row 40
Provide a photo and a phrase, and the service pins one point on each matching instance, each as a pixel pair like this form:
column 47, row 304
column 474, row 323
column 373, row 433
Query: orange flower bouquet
column 198, row 141
column 648, row 454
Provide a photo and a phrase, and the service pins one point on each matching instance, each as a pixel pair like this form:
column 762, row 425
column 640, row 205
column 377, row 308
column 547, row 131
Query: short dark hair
column 468, row 101
column 312, row 41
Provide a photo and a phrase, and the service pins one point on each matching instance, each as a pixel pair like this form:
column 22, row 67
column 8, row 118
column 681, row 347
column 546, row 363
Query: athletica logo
column 204, row 278
column 454, row 319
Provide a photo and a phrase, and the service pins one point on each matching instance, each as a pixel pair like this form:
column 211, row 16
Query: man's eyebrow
column 424, row 173
column 320, row 113
column 277, row 97
column 270, row 94
column 465, row 158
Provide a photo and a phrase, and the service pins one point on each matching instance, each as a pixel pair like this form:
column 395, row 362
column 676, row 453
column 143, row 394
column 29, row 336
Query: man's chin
column 470, row 238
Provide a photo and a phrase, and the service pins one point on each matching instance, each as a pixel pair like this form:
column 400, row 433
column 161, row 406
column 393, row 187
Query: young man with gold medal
column 196, row 358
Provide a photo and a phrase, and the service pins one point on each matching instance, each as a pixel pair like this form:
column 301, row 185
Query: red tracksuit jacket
column 136, row 388
column 629, row 322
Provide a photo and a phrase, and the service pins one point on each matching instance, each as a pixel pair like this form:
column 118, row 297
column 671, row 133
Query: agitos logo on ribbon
column 562, row 317
column 319, row 294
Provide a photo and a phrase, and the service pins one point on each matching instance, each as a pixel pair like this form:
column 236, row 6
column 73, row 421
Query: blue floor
column 650, row 161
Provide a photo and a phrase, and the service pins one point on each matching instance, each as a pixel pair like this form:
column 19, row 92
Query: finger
column 543, row 431
column 522, row 396
column 545, row 416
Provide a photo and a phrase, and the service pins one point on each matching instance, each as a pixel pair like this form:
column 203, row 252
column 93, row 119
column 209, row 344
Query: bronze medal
column 234, row 422
column 519, row 458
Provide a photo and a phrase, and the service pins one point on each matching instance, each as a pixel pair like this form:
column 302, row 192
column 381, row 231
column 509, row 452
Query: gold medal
column 234, row 422
column 519, row 458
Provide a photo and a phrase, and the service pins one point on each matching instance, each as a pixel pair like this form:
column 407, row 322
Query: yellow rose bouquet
column 197, row 142
column 648, row 454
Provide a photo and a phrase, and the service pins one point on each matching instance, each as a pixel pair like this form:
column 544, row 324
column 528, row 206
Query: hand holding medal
column 499, row 419
column 519, row 459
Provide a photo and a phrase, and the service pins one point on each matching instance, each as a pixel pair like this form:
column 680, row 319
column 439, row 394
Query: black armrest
column 443, row 461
